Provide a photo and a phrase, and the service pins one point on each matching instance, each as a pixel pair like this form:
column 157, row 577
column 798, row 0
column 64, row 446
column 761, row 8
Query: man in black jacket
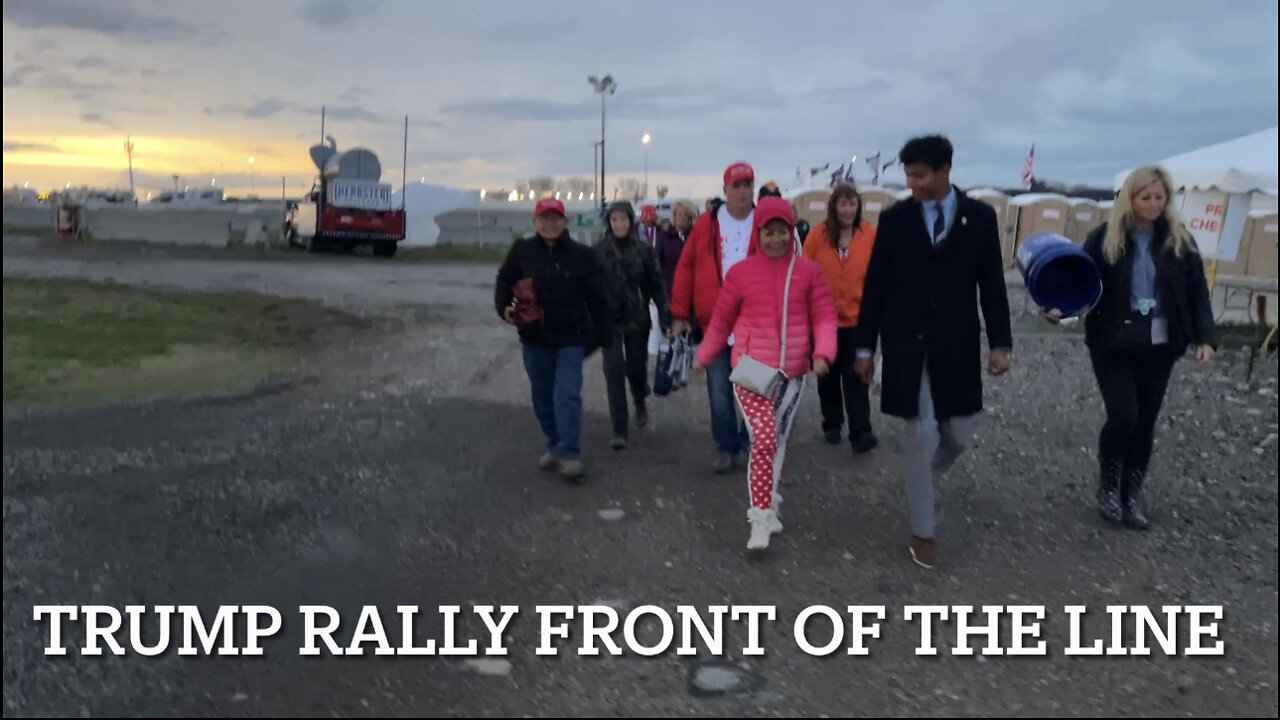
column 634, row 281
column 567, row 279
column 933, row 254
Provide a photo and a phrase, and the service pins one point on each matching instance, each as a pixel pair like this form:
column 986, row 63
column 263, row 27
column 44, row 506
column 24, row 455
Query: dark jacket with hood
column 633, row 277
column 571, row 292
column 1181, row 282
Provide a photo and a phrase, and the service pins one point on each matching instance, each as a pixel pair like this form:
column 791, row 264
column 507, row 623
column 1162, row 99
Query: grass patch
column 76, row 340
column 454, row 253
column 1243, row 335
column 30, row 230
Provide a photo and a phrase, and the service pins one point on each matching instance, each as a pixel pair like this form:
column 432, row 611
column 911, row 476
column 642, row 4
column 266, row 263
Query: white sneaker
column 762, row 522
column 775, row 525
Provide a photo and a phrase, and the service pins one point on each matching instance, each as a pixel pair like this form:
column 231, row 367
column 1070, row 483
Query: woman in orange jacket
column 842, row 247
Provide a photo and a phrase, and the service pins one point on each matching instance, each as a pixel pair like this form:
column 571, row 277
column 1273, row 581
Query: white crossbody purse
column 756, row 376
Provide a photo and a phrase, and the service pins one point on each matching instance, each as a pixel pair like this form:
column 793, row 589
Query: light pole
column 595, row 164
column 645, row 141
column 604, row 86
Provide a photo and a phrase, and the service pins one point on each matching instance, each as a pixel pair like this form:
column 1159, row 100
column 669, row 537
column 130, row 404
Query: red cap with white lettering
column 739, row 172
column 548, row 205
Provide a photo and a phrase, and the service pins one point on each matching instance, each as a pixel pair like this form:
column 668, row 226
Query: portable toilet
column 1260, row 233
column 1237, row 266
column 875, row 201
column 1000, row 203
column 1039, row 212
column 811, row 205
column 1085, row 215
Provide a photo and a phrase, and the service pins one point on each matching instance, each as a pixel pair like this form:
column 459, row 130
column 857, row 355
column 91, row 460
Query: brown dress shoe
column 923, row 552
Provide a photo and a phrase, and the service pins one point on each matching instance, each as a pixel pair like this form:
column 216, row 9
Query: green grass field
column 73, row 340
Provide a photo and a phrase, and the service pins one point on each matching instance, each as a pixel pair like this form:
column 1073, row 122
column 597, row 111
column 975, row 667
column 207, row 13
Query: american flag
column 1029, row 170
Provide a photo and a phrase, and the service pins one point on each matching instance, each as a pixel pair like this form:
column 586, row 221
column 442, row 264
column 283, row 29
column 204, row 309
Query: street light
column 595, row 164
column 645, row 141
column 604, row 86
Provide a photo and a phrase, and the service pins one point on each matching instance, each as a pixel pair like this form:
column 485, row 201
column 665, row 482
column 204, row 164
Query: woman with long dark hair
column 842, row 248
column 1154, row 306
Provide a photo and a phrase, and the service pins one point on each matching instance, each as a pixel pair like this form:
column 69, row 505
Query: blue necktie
column 939, row 222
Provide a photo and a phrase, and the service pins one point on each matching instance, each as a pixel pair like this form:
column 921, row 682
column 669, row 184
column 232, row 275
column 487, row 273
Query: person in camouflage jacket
column 633, row 280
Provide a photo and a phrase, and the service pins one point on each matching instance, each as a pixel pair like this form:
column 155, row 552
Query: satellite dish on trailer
column 320, row 154
column 357, row 164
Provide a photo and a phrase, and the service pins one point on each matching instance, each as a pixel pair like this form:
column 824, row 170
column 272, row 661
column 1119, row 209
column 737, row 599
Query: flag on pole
column 1029, row 170
column 815, row 172
column 835, row 176
column 874, row 162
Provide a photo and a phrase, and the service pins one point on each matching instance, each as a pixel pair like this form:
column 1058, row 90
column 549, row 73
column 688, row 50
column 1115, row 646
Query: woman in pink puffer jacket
column 750, row 310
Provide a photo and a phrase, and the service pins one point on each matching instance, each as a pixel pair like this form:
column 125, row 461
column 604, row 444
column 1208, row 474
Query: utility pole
column 128, row 148
column 604, row 86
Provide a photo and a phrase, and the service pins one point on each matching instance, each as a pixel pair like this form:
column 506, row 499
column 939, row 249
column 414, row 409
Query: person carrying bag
column 779, row 310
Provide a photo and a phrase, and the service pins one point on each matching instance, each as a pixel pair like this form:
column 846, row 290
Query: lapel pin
column 964, row 220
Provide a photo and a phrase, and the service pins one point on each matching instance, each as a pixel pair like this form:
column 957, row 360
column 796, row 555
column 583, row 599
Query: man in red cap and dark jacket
column 572, row 315
column 721, row 237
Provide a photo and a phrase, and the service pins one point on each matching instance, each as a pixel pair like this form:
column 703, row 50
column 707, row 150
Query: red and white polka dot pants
column 769, row 423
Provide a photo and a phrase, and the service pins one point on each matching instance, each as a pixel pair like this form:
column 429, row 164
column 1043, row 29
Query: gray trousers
column 930, row 447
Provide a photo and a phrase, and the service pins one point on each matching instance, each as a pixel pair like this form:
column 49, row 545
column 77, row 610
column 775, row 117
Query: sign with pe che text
column 1204, row 212
column 359, row 194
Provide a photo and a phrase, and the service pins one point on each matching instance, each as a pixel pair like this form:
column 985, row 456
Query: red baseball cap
column 774, row 208
column 738, row 172
column 547, row 205
column 648, row 212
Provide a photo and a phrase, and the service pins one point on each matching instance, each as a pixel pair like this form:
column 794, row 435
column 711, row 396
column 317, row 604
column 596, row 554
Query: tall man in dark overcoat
column 935, row 254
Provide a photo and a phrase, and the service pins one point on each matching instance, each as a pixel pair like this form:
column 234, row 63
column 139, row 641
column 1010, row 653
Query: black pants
column 842, row 392
column 626, row 361
column 1133, row 385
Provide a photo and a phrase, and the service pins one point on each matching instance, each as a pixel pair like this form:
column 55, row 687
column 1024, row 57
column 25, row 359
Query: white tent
column 422, row 203
column 1243, row 165
column 1218, row 184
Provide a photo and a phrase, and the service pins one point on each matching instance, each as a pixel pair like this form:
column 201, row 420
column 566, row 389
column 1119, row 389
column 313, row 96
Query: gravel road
column 399, row 469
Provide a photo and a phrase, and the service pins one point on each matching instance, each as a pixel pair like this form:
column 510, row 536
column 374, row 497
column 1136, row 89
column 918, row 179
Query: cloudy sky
column 497, row 90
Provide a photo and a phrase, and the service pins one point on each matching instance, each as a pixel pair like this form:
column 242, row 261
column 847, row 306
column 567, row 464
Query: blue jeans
column 727, row 428
column 555, row 381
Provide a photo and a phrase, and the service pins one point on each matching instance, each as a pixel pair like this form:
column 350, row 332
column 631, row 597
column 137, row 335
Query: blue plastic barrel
column 1059, row 274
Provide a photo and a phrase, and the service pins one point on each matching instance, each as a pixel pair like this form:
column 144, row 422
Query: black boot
column 1109, row 505
column 1135, row 499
